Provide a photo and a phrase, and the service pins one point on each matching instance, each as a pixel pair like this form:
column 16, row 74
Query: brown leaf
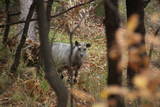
column 82, row 95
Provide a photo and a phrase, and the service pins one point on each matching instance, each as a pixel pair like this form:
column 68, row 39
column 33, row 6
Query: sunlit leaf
column 132, row 23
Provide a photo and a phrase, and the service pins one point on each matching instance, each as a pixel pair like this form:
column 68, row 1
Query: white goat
column 61, row 57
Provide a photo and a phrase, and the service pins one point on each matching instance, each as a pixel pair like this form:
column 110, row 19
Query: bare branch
column 14, row 14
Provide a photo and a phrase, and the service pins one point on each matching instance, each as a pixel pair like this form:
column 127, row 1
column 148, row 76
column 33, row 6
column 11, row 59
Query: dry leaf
column 113, row 90
column 82, row 95
column 132, row 23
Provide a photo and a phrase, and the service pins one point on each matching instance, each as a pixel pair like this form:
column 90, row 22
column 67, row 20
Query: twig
column 53, row 16
column 14, row 14
column 23, row 39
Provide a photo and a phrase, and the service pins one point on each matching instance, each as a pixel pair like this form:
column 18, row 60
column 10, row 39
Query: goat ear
column 88, row 45
column 76, row 43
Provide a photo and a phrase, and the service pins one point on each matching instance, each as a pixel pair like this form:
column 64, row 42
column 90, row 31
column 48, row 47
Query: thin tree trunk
column 24, row 8
column 51, row 74
column 23, row 39
column 112, row 23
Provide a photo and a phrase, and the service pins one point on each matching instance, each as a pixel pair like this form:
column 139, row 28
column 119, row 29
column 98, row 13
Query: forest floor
column 30, row 89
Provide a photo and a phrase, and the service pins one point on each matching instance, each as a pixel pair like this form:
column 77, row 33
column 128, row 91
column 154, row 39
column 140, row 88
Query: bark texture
column 51, row 74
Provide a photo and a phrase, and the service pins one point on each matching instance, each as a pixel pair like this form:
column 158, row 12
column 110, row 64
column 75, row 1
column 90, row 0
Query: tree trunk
column 51, row 74
column 136, row 7
column 23, row 38
column 112, row 23
column 24, row 8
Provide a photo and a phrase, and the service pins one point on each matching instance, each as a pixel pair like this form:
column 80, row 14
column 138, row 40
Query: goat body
column 61, row 56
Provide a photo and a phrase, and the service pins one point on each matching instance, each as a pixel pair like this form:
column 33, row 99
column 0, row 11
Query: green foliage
column 18, row 96
column 99, row 11
column 44, row 85
column 2, row 2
